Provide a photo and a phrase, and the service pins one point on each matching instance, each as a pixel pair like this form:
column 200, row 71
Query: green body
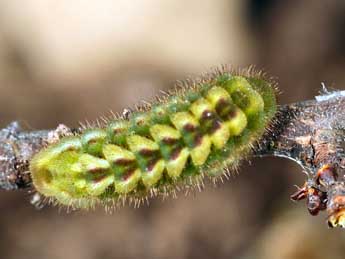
column 194, row 133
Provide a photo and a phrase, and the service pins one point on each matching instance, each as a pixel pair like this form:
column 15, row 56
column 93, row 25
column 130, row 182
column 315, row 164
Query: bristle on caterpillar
column 203, row 128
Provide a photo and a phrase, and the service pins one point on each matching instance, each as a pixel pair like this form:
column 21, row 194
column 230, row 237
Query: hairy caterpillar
column 202, row 129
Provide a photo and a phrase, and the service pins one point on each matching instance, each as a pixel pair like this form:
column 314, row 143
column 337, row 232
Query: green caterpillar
column 203, row 129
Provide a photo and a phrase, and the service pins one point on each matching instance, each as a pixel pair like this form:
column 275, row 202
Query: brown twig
column 311, row 133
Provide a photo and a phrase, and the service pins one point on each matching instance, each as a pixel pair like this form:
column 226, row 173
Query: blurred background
column 67, row 61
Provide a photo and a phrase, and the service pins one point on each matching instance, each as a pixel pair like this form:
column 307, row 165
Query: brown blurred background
column 67, row 61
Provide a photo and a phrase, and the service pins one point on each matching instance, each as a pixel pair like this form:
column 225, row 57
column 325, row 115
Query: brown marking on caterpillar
column 222, row 106
column 128, row 174
column 207, row 115
column 147, row 152
column 232, row 113
column 151, row 164
column 174, row 155
column 189, row 128
column 211, row 116
column 123, row 162
column 97, row 170
column 197, row 139
column 99, row 178
column 226, row 109
column 169, row 141
column 216, row 125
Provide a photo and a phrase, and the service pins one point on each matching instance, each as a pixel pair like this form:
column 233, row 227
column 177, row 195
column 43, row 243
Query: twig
column 311, row 133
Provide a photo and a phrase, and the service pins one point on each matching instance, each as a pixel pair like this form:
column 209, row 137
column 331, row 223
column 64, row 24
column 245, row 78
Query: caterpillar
column 202, row 129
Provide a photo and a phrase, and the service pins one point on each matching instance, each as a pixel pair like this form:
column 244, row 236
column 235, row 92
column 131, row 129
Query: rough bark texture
column 16, row 149
column 311, row 133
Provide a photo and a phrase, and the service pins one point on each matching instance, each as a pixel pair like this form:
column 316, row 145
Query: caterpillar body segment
column 197, row 131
